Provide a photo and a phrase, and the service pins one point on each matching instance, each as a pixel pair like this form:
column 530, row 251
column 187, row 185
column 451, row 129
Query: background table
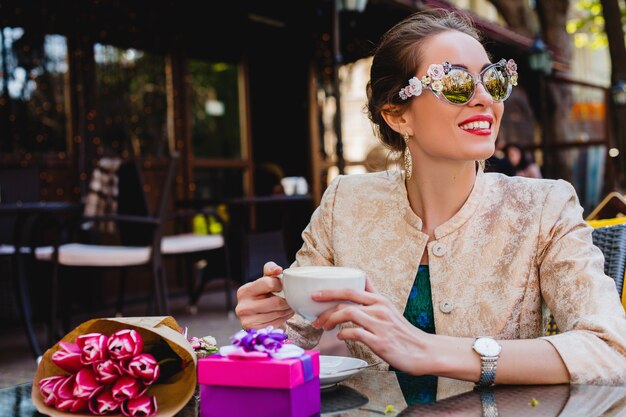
column 29, row 215
column 370, row 392
column 261, row 229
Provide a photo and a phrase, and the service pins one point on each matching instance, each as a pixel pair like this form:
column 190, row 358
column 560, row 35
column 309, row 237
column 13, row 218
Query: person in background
column 523, row 163
column 498, row 162
column 462, row 265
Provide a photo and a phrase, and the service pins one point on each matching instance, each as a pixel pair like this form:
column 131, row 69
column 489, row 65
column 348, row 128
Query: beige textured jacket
column 517, row 246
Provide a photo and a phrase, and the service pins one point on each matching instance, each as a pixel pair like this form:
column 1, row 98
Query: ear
column 398, row 119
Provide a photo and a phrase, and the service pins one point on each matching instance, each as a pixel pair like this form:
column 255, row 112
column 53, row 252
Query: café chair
column 611, row 240
column 204, row 252
column 17, row 185
column 137, row 243
column 613, row 206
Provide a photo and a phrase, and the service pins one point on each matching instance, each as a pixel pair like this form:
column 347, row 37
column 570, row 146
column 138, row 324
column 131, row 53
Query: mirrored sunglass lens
column 458, row 86
column 496, row 81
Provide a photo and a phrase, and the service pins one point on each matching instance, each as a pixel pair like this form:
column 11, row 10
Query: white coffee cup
column 302, row 281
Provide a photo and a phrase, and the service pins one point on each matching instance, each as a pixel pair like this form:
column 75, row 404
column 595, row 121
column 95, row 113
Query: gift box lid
column 260, row 373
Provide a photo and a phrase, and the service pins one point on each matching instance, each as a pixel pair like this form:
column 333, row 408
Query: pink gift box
column 301, row 401
column 258, row 373
column 260, row 387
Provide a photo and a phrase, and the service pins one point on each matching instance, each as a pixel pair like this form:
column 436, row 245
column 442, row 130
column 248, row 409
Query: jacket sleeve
column 583, row 300
column 316, row 250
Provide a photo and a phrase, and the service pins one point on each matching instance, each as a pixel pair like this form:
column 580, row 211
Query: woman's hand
column 257, row 307
column 378, row 325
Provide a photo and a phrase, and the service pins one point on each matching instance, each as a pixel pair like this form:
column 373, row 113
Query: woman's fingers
column 259, row 288
column 369, row 286
column 348, row 294
column 271, row 268
column 261, row 320
column 270, row 304
column 365, row 317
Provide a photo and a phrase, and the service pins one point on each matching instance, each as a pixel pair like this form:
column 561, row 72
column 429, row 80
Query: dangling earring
column 408, row 161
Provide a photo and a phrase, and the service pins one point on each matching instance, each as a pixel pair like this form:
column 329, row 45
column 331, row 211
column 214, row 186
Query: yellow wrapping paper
column 171, row 395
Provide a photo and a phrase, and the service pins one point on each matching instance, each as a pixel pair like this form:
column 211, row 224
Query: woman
column 461, row 252
column 523, row 164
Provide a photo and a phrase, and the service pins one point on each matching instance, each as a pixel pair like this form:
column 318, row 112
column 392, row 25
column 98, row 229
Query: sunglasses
column 456, row 85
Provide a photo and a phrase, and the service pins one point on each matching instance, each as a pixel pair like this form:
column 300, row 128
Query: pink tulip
column 93, row 347
column 68, row 357
column 107, row 371
column 144, row 367
column 73, row 405
column 64, row 389
column 143, row 406
column 65, row 399
column 103, row 403
column 127, row 387
column 124, row 344
column 46, row 385
column 86, row 384
column 47, row 388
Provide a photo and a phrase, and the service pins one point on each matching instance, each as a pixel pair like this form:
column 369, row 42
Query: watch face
column 486, row 346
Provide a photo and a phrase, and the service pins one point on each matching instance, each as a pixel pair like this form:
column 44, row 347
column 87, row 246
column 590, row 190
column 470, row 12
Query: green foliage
column 587, row 27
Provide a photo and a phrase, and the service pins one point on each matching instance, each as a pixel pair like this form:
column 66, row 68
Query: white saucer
column 331, row 369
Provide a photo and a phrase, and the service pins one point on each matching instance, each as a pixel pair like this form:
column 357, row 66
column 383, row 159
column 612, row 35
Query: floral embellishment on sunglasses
column 457, row 86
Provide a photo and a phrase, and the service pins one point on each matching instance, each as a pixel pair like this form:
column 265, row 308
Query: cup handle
column 280, row 293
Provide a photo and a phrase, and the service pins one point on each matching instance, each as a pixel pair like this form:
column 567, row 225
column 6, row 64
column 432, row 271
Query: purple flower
column 93, row 347
column 124, row 344
column 141, row 406
column 266, row 339
column 68, row 357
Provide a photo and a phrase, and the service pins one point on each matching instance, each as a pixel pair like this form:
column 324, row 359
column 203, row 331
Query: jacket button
column 439, row 249
column 446, row 306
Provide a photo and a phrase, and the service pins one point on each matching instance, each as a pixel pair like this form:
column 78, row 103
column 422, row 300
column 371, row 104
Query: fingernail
column 316, row 294
column 315, row 323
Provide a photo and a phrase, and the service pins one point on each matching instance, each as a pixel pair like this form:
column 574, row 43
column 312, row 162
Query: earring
column 408, row 161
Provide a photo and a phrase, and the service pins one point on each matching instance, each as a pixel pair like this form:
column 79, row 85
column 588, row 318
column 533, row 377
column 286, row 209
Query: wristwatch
column 488, row 403
column 489, row 351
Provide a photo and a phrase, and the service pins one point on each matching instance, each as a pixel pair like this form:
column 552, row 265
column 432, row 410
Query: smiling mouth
column 478, row 125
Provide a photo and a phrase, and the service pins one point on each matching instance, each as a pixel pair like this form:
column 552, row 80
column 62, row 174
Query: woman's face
column 514, row 155
column 444, row 131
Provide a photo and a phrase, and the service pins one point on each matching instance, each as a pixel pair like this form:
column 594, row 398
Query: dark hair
column 396, row 60
column 524, row 158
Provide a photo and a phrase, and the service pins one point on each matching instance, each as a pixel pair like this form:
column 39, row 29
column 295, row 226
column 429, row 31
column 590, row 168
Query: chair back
column 162, row 209
column 132, row 201
column 16, row 185
column 126, row 196
column 612, row 242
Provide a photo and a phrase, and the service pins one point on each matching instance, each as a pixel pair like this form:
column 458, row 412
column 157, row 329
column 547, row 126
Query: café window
column 362, row 150
column 215, row 112
column 33, row 83
column 132, row 101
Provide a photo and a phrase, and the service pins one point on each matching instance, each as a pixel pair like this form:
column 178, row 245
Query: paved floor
column 18, row 366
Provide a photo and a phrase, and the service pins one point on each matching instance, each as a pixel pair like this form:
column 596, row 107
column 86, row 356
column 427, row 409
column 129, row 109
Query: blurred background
column 253, row 91
column 250, row 92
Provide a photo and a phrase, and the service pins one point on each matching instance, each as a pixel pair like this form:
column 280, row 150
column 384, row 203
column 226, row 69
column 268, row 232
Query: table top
column 39, row 207
column 248, row 200
column 371, row 392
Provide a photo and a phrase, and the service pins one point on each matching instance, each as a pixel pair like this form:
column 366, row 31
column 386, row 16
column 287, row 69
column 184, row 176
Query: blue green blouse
column 419, row 312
